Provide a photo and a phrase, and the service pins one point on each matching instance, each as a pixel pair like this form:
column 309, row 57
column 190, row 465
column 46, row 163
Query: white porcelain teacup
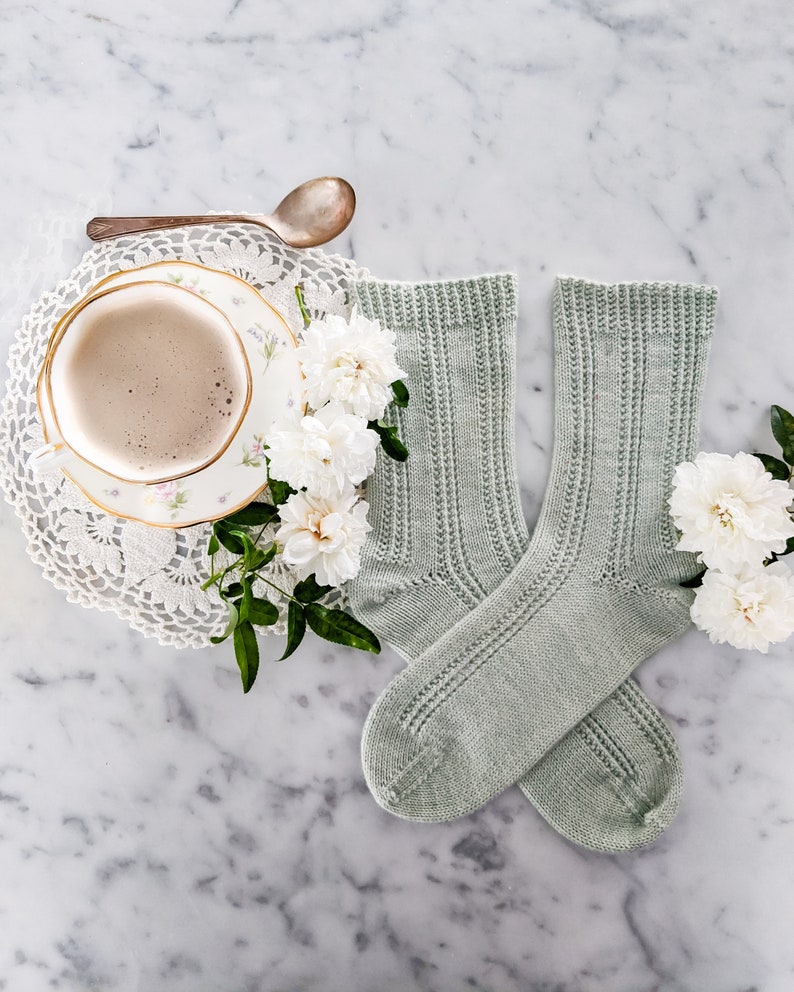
column 147, row 382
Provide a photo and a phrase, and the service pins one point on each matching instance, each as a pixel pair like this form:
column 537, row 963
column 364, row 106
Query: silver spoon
column 312, row 214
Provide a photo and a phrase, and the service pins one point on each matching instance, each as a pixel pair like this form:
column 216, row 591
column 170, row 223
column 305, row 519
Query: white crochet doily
column 149, row 576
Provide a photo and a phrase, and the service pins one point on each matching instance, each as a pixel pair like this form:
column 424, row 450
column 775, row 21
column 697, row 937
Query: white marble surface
column 159, row 831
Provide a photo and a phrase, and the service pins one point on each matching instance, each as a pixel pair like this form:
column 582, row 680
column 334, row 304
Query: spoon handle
column 102, row 228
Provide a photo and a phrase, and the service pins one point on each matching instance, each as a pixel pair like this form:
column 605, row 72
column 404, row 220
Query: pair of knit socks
column 520, row 651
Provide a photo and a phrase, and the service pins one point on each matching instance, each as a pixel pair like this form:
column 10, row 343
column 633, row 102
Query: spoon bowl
column 314, row 213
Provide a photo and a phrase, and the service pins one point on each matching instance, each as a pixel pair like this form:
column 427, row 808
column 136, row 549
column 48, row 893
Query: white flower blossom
column 751, row 610
column 323, row 452
column 323, row 536
column 352, row 363
column 730, row 511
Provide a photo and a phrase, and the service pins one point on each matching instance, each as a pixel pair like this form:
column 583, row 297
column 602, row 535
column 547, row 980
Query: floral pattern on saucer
column 254, row 452
column 238, row 475
column 173, row 494
column 270, row 345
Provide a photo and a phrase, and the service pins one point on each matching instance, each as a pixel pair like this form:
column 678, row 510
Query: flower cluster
column 736, row 514
column 324, row 536
column 315, row 460
column 349, row 368
column 327, row 452
column 350, row 363
column 750, row 610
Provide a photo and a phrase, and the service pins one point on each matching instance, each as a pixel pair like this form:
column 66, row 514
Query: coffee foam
column 150, row 385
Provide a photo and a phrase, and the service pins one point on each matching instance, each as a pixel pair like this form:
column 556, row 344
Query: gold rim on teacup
column 165, row 263
column 154, row 270
column 43, row 381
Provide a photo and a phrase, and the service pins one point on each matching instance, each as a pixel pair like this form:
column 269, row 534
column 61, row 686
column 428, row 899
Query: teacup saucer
column 239, row 474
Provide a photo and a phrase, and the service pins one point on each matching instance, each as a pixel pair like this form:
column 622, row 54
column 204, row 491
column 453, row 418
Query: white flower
column 349, row 363
column 324, row 452
column 324, row 536
column 730, row 510
column 751, row 610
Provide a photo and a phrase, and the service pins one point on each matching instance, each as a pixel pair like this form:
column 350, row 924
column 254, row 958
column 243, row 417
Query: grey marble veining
column 160, row 831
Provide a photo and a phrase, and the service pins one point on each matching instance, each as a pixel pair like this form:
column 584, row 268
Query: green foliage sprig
column 235, row 586
column 240, row 534
column 387, row 433
column 782, row 423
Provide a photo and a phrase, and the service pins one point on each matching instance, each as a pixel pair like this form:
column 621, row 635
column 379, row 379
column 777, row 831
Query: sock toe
column 395, row 761
column 604, row 797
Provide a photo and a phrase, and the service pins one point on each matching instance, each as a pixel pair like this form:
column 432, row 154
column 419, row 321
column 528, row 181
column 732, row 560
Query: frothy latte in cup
column 148, row 382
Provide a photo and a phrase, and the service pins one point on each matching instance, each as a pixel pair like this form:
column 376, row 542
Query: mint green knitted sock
column 448, row 528
column 598, row 589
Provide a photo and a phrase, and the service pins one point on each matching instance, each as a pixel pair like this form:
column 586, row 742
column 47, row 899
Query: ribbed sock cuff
column 483, row 305
column 648, row 307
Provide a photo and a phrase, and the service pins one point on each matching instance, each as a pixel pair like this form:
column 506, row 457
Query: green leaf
column 230, row 625
column 228, row 537
column 214, row 546
column 246, row 651
column 400, row 393
column 390, row 443
column 783, row 429
column 259, row 557
column 253, row 515
column 296, row 628
column 244, row 604
column 280, row 491
column 789, row 548
column 246, row 543
column 341, row 628
column 262, row 612
column 253, row 557
column 776, row 468
column 695, row 582
column 235, row 589
column 308, row 590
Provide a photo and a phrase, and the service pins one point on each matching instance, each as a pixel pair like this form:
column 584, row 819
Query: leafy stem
column 782, row 424
column 304, row 609
column 302, row 306
column 240, row 534
column 389, row 441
